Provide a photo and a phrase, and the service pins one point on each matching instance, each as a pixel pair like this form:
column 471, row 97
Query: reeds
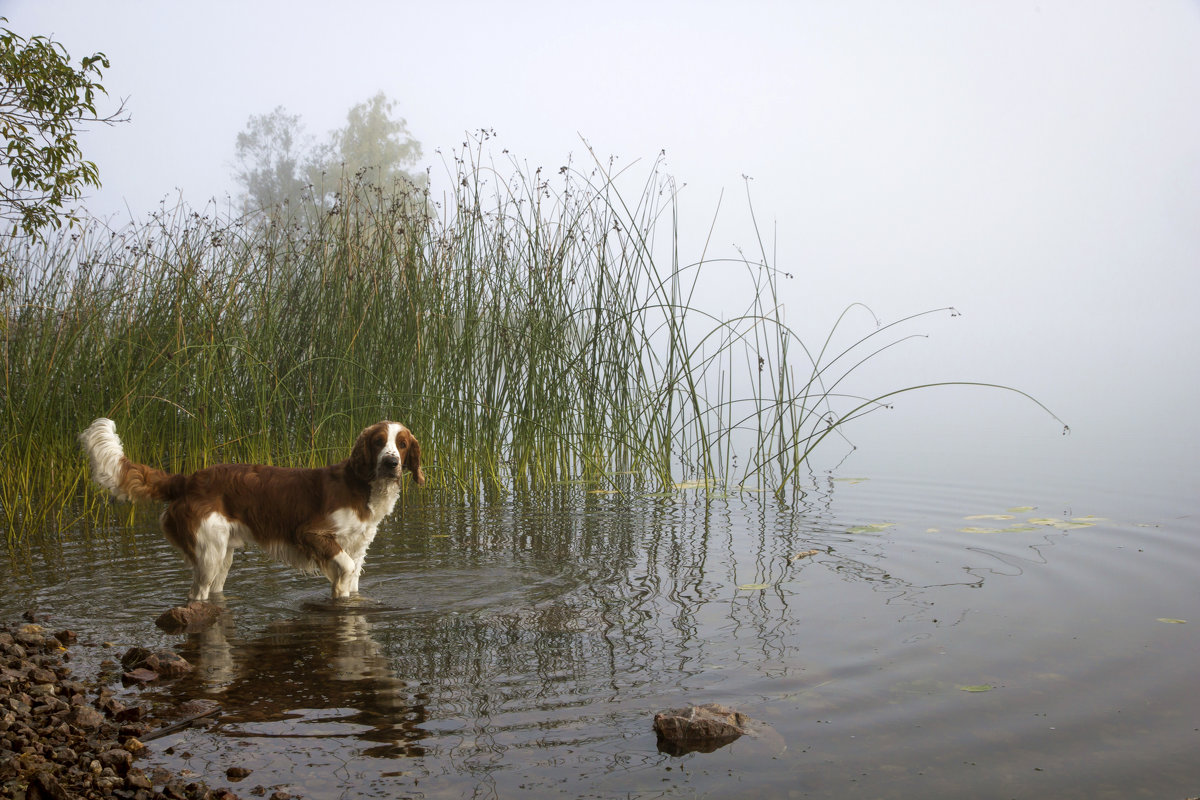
column 531, row 329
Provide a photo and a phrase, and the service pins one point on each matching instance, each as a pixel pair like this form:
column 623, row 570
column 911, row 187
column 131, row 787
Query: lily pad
column 753, row 587
column 981, row 688
column 1021, row 509
column 851, row 481
column 873, row 527
column 700, row 483
column 1171, row 621
column 989, row 516
column 1009, row 529
column 1066, row 524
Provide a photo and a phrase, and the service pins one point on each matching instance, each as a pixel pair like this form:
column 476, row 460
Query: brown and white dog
column 315, row 519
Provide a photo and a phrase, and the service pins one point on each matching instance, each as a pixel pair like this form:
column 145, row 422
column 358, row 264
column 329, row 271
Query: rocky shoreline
column 65, row 736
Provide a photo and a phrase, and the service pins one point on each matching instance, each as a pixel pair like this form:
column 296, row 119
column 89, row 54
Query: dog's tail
column 122, row 477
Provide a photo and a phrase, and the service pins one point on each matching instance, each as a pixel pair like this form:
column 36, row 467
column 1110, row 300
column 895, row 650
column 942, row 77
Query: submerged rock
column 701, row 729
column 144, row 666
column 192, row 618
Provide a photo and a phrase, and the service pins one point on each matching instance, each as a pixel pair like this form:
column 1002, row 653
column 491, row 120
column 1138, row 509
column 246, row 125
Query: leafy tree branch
column 45, row 102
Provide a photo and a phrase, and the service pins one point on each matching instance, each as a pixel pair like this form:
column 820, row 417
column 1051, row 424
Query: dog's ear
column 362, row 455
column 412, row 460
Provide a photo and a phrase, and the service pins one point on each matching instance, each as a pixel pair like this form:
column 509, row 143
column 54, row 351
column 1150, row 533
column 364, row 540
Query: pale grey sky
column 1034, row 163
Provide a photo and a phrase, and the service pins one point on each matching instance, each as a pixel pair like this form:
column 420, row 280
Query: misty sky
column 1034, row 164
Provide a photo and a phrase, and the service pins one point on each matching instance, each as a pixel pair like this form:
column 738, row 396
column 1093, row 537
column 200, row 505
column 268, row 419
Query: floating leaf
column 990, row 516
column 1009, row 529
column 851, row 481
column 981, row 688
column 805, row 554
column 700, row 483
column 605, row 491
column 1021, row 509
column 1066, row 524
column 874, row 527
column 753, row 587
column 1172, row 621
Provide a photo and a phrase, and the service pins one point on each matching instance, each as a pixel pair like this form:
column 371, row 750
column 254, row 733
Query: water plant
column 531, row 328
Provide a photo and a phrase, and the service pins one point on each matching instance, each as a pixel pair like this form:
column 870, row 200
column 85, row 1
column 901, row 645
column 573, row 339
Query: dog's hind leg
column 218, row 584
column 212, row 556
column 236, row 538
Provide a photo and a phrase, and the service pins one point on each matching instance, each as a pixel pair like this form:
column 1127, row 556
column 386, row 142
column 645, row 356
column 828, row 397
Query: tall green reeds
column 531, row 329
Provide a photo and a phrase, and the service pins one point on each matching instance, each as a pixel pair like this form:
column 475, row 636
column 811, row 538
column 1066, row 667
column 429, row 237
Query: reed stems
column 530, row 330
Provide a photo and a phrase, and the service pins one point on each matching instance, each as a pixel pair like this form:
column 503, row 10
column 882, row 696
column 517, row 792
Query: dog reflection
column 325, row 660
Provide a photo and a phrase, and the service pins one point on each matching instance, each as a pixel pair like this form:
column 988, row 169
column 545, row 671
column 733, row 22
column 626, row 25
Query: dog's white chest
column 354, row 533
column 383, row 499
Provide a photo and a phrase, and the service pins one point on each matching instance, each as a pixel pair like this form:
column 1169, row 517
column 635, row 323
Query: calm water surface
column 522, row 649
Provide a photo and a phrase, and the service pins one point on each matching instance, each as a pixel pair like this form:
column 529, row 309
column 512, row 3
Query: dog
column 320, row 519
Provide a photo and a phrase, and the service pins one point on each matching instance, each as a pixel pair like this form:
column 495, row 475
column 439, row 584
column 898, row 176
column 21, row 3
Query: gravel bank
column 62, row 736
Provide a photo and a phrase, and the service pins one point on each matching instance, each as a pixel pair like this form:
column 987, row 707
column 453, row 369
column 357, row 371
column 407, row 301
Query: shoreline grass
column 530, row 332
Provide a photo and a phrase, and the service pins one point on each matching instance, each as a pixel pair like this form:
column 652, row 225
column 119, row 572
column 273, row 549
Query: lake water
column 951, row 636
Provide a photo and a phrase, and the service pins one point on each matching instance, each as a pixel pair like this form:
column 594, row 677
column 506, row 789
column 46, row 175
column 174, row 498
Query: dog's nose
column 390, row 462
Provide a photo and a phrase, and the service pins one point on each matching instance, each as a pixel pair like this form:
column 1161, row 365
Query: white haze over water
column 1034, row 164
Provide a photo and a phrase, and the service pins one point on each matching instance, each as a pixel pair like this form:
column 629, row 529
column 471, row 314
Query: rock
column 143, row 666
column 43, row 785
column 236, row 773
column 135, row 657
column 66, row 637
column 168, row 664
column 701, row 728
column 192, row 618
column 118, row 759
column 131, row 713
column 136, row 779
column 86, row 717
column 139, row 675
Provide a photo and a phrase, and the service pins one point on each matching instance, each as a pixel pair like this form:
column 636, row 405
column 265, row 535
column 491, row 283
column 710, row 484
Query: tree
column 375, row 144
column 278, row 163
column 44, row 103
column 272, row 159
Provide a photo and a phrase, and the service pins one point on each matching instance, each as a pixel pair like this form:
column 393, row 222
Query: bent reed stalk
column 524, row 328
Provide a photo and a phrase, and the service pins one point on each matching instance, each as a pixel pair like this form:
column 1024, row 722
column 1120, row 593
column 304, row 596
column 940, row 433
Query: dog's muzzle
column 389, row 465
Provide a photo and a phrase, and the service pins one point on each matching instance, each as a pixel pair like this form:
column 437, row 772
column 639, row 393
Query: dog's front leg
column 343, row 575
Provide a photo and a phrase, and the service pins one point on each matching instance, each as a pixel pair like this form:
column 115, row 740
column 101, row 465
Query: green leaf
column 981, row 688
column 872, row 527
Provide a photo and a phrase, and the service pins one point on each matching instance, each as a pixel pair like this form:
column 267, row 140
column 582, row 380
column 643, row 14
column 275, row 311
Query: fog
column 1036, row 165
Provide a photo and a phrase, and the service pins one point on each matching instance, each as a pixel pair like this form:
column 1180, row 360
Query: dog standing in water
column 315, row 519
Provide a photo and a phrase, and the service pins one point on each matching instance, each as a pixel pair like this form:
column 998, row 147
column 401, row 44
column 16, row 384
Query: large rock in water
column 699, row 729
column 192, row 618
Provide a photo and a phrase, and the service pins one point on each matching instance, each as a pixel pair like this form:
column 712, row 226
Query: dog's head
column 385, row 451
